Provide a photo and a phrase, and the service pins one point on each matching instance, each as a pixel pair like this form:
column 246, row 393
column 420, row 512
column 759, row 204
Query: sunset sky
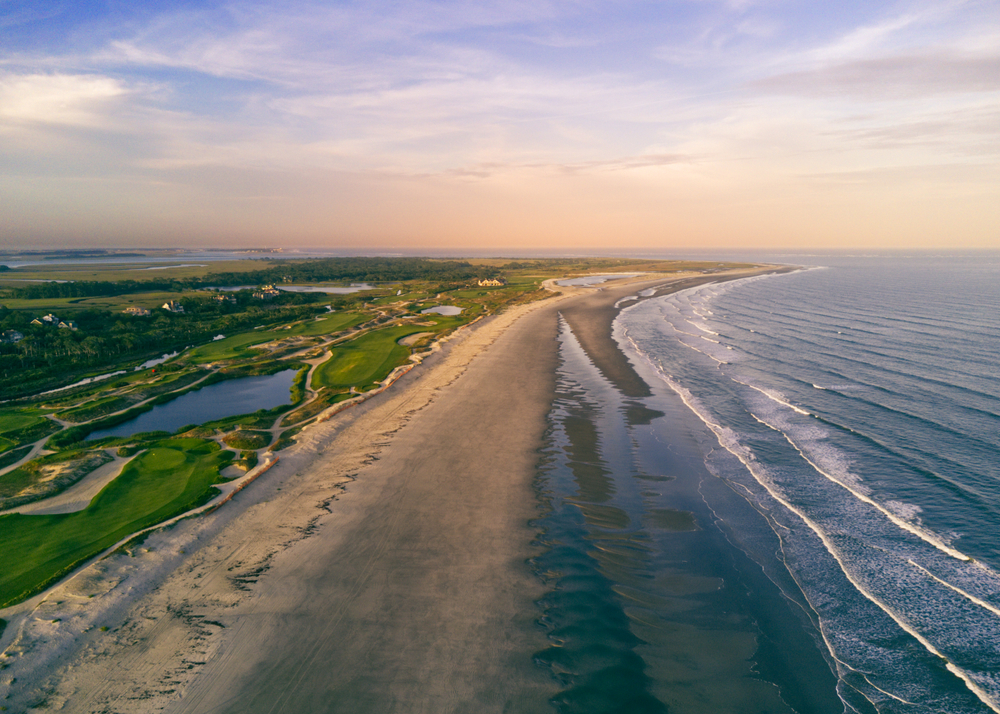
column 509, row 125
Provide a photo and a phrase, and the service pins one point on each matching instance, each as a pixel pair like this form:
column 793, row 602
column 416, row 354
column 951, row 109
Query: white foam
column 923, row 534
column 826, row 462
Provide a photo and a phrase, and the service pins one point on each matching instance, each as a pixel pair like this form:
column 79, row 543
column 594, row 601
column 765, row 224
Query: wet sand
column 382, row 565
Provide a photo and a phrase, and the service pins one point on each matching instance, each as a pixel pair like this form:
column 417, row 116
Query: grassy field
column 366, row 359
column 170, row 478
column 131, row 271
column 115, row 303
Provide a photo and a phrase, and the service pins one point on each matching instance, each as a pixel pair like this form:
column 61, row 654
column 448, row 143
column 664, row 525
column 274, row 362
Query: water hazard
column 216, row 401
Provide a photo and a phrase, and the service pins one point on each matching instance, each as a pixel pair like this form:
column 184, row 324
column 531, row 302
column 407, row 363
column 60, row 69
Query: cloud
column 65, row 99
column 903, row 76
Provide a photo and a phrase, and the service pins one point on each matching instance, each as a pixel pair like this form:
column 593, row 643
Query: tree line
column 373, row 270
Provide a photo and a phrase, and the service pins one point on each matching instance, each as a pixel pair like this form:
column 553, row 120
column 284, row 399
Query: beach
column 383, row 564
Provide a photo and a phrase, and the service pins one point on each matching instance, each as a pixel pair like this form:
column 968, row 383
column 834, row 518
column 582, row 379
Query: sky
column 576, row 125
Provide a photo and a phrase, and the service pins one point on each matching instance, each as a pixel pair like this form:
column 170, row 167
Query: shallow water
column 651, row 607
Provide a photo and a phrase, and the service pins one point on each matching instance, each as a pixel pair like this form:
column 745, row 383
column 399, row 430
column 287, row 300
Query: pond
column 589, row 280
column 216, row 401
column 329, row 289
column 448, row 310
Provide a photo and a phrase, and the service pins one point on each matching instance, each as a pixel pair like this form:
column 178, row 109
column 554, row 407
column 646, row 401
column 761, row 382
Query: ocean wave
column 933, row 591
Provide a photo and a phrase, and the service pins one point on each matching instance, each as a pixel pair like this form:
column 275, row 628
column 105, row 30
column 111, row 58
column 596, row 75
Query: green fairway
column 12, row 420
column 230, row 347
column 170, row 478
column 333, row 322
column 366, row 359
column 237, row 345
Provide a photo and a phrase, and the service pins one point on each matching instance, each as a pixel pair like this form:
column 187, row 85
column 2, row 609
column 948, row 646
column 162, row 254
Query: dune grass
column 172, row 477
column 244, row 439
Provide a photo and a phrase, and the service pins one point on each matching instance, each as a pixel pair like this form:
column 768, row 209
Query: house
column 492, row 282
column 11, row 336
column 66, row 325
column 47, row 321
column 229, row 299
column 136, row 311
column 173, row 306
column 266, row 293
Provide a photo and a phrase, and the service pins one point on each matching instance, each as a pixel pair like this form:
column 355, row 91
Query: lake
column 216, row 401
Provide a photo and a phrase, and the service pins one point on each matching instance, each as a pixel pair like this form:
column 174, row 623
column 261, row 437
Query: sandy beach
column 381, row 565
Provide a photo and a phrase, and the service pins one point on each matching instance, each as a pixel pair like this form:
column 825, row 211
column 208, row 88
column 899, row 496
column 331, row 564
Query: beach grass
column 247, row 440
column 172, row 477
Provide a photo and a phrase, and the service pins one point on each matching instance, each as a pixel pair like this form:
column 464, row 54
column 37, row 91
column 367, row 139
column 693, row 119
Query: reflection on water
column 216, row 401
column 447, row 310
column 653, row 603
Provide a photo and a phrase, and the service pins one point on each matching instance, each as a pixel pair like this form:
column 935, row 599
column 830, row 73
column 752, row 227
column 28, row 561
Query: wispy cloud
column 900, row 76
column 254, row 99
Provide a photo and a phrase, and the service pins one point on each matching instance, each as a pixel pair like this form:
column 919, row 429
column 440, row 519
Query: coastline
column 425, row 555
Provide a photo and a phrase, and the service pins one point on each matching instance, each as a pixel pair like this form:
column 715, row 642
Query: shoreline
column 203, row 607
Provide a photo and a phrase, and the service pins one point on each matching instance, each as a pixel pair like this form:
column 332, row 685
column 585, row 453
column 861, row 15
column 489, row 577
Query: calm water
column 447, row 310
column 595, row 279
column 802, row 517
column 216, row 401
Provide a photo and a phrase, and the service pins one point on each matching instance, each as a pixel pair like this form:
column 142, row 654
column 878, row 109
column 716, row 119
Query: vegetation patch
column 172, row 477
column 287, row 438
column 96, row 409
column 260, row 419
column 299, row 384
column 47, row 476
column 247, row 440
column 37, row 429
column 248, row 459
column 12, row 457
column 325, row 400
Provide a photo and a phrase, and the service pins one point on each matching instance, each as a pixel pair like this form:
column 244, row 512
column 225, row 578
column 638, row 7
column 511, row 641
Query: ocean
column 802, row 515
